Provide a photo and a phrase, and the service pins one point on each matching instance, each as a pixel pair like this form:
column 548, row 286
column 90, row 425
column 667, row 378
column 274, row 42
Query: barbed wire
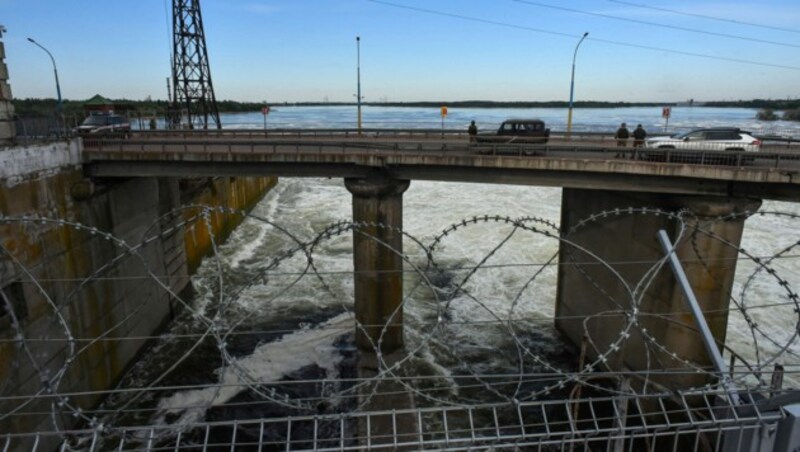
column 466, row 345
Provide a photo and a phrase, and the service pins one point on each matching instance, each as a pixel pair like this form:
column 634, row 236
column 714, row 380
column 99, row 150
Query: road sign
column 444, row 111
column 665, row 112
column 265, row 110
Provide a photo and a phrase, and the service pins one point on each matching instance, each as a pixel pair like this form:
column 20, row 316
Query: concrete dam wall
column 88, row 271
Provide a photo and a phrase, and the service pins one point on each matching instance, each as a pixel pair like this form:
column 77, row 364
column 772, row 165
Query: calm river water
column 584, row 119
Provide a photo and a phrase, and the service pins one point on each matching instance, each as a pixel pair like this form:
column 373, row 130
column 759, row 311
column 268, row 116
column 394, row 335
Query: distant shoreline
column 46, row 107
column 484, row 104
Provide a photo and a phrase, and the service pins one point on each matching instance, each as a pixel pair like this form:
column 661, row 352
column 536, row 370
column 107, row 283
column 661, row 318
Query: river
column 263, row 320
column 584, row 119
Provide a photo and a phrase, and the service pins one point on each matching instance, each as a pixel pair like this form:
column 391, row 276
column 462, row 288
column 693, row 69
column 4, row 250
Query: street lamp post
column 358, row 77
column 55, row 71
column 572, row 86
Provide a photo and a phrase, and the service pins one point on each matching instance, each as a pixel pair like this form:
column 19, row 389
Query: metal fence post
column 699, row 317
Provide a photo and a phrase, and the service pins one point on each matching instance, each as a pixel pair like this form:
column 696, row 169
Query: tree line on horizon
column 34, row 107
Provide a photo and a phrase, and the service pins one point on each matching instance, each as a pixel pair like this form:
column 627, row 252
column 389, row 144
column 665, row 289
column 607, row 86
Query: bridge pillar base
column 378, row 262
column 609, row 278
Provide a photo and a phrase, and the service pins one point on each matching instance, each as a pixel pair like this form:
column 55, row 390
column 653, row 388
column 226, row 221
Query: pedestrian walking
column 639, row 135
column 472, row 130
column 621, row 136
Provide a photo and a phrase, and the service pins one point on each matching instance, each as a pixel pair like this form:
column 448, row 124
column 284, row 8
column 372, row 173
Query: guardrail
column 423, row 148
column 272, row 133
column 428, row 133
column 43, row 129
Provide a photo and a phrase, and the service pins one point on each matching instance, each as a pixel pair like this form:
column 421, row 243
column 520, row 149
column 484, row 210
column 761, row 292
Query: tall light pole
column 572, row 86
column 55, row 71
column 358, row 77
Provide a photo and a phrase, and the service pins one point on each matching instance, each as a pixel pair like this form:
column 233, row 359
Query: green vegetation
column 46, row 107
column 133, row 108
column 788, row 104
column 766, row 114
column 32, row 108
column 792, row 115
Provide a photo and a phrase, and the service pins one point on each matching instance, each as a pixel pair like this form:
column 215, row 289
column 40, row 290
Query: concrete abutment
column 57, row 253
column 636, row 288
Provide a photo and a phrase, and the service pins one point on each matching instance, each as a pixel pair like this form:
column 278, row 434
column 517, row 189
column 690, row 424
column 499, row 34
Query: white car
column 100, row 124
column 711, row 139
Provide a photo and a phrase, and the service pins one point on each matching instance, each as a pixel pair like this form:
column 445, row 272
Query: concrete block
column 7, row 130
column 132, row 219
column 6, row 111
column 5, row 91
column 2, row 50
column 3, row 71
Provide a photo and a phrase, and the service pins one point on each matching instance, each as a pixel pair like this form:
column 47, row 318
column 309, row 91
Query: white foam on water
column 308, row 205
column 766, row 301
column 245, row 247
column 267, row 364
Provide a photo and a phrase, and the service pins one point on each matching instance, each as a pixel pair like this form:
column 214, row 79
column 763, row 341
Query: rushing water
column 291, row 325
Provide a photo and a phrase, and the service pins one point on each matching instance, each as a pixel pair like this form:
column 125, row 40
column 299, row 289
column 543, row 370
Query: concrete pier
column 629, row 243
column 377, row 261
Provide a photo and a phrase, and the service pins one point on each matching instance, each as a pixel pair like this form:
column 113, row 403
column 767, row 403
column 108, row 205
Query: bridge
column 643, row 380
column 411, row 154
column 377, row 166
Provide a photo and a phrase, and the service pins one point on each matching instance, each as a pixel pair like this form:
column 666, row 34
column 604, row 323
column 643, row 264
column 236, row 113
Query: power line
column 656, row 24
column 704, row 16
column 572, row 36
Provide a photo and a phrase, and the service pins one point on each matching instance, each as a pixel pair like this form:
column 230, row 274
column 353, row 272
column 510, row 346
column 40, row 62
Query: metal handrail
column 680, row 156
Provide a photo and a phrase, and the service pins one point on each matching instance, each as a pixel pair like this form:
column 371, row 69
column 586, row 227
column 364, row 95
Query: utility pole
column 358, row 79
column 572, row 86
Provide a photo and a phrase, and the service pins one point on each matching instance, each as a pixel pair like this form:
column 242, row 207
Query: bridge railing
column 293, row 132
column 595, row 137
column 776, row 158
column 42, row 129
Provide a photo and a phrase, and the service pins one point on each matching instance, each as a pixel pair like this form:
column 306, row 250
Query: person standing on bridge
column 472, row 130
column 622, row 139
column 639, row 135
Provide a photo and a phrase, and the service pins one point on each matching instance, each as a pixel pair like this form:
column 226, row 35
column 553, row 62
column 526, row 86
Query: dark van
column 518, row 131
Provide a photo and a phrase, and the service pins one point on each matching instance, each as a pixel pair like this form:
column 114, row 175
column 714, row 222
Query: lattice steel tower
column 193, row 92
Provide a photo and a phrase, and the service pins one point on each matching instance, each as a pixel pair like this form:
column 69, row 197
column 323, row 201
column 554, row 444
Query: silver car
column 100, row 124
column 711, row 139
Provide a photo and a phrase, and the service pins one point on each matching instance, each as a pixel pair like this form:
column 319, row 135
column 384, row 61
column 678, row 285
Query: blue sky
column 305, row 50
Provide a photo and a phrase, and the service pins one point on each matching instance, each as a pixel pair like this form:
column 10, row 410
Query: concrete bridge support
column 377, row 261
column 651, row 295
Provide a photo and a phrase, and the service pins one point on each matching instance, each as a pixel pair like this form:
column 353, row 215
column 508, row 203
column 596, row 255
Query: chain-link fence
column 39, row 129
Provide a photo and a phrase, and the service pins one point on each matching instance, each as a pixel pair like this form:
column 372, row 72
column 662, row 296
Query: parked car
column 517, row 131
column 710, row 139
column 104, row 124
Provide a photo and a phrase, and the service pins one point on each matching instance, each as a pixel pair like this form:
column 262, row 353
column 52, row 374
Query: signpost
column 444, row 113
column 665, row 113
column 265, row 112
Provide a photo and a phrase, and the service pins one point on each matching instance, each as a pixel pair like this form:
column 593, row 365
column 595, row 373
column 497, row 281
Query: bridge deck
column 771, row 175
